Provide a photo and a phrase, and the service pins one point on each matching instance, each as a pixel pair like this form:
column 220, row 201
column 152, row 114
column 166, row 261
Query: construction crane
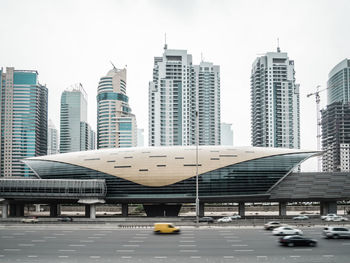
column 318, row 99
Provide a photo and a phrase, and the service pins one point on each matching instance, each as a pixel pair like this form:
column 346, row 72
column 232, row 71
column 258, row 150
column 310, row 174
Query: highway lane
column 101, row 244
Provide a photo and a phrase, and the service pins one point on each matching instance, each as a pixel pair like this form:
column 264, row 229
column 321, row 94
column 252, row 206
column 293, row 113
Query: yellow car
column 165, row 228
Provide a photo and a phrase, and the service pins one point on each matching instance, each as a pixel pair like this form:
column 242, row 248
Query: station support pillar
column 125, row 210
column 55, row 210
column 16, row 210
column 201, row 209
column 241, row 209
column 328, row 208
column 92, row 211
column 5, row 208
column 282, row 209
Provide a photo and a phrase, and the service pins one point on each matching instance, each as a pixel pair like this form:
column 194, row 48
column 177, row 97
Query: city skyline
column 234, row 44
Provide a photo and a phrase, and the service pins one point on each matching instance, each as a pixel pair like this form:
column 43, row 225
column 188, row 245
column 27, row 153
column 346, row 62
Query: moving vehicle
column 235, row 217
column 165, row 228
column 336, row 232
column 32, row 219
column 292, row 241
column 272, row 225
column 300, row 217
column 225, row 220
column 207, row 219
column 65, row 219
column 328, row 216
column 336, row 218
column 286, row 231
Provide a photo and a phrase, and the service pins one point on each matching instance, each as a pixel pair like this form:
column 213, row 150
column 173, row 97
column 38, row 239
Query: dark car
column 65, row 219
column 207, row 219
column 292, row 241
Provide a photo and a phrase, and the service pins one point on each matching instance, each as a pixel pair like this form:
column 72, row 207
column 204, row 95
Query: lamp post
column 197, row 195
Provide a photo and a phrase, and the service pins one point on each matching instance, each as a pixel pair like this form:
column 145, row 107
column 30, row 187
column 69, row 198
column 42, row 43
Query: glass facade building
column 338, row 85
column 116, row 125
column 167, row 173
column 23, row 117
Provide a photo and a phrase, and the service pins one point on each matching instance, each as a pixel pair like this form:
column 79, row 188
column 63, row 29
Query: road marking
column 187, row 245
column 244, row 250
column 142, row 234
column 187, row 241
column 126, row 256
column 160, row 257
column 235, row 240
column 95, row 256
column 49, row 237
column 136, row 241
column 18, row 234
column 38, row 240
column 185, row 250
column 80, row 245
column 302, row 249
column 187, row 237
column 7, row 236
column 58, row 234
column 140, row 237
column 131, row 245
column 195, row 256
column 32, row 256
column 25, row 245
column 294, row 256
column 328, row 256
column 125, row 250
column 261, row 257
column 98, row 234
column 94, row 237
column 1, row 256
column 228, row 256
column 29, row 231
column 87, row 241
column 239, row 245
column 12, row 249
column 230, row 236
column 66, row 250
column 67, row 231
column 63, row 256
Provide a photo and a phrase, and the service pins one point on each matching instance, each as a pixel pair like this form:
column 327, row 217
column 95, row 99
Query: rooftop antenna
column 113, row 65
column 278, row 45
column 165, row 44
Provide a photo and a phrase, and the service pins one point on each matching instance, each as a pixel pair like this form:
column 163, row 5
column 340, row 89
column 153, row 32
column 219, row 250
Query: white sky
column 73, row 41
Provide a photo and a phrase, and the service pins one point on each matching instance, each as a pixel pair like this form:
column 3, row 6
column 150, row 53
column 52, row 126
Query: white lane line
column 160, row 257
column 29, row 231
column 258, row 257
column 66, row 250
column 87, row 241
column 95, row 256
column 235, row 240
column 126, row 256
column 18, row 234
column 131, row 245
column 67, row 231
column 140, row 237
column 328, row 256
column 77, row 245
column 142, row 234
column 187, row 241
column 98, row 234
column 195, row 256
column 63, row 256
column 38, row 240
column 12, row 249
column 32, row 256
column 58, row 234
column 49, row 237
column 239, row 245
column 228, row 256
column 187, row 245
column 25, row 245
column 136, row 241
column 125, row 250
column 302, row 249
column 1, row 256
column 244, row 250
column 294, row 256
column 231, row 237
column 94, row 237
column 187, row 250
column 7, row 236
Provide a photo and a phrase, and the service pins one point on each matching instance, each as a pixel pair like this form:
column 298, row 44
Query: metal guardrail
column 50, row 188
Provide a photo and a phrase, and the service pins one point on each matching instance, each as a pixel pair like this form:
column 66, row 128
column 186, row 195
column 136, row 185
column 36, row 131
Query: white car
column 235, row 217
column 327, row 216
column 30, row 220
column 336, row 218
column 300, row 218
column 224, row 220
column 286, row 230
column 336, row 232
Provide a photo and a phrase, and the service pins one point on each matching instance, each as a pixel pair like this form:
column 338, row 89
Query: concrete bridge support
column 241, row 209
column 93, row 211
column 125, row 210
column 55, row 210
column 201, row 209
column 16, row 210
column 5, row 208
column 282, row 209
column 328, row 208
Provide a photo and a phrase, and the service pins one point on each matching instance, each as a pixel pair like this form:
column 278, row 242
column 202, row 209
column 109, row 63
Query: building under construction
column 336, row 137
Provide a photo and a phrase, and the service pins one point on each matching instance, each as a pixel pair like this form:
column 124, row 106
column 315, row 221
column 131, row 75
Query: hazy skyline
column 70, row 42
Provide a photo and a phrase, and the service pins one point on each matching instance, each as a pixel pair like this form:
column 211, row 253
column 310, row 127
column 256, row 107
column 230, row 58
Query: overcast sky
column 69, row 42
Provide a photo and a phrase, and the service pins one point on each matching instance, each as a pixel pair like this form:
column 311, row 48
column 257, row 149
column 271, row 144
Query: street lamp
column 197, row 196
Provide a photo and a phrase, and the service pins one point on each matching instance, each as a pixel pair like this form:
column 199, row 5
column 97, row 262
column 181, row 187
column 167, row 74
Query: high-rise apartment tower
column 23, row 117
column 116, row 125
column 275, row 120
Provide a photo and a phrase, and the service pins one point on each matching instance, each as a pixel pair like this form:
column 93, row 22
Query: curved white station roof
column 160, row 166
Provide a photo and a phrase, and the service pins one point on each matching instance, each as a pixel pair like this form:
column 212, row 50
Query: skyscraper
column 23, row 108
column 275, row 120
column 140, row 138
column 74, row 129
column 116, row 125
column 336, row 120
column 226, row 134
column 177, row 91
column 52, row 139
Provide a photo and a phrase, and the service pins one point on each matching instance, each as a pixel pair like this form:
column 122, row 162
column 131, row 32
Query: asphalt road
column 94, row 243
